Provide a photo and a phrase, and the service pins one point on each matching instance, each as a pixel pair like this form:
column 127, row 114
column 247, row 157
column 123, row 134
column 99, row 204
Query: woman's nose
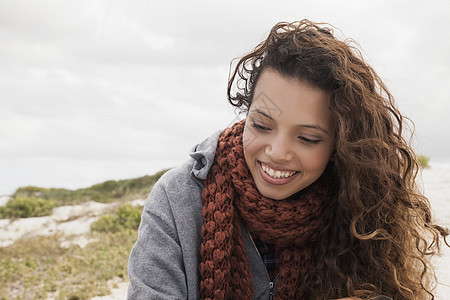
column 279, row 149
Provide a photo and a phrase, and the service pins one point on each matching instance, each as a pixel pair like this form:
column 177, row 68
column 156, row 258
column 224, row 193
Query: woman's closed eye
column 309, row 141
column 260, row 126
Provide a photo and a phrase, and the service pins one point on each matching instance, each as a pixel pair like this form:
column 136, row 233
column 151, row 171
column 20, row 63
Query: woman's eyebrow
column 313, row 126
column 262, row 113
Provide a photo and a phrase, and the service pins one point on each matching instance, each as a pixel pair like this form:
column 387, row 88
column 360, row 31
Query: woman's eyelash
column 310, row 141
column 302, row 138
column 259, row 126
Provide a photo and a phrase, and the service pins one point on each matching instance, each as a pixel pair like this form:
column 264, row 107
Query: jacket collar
column 203, row 154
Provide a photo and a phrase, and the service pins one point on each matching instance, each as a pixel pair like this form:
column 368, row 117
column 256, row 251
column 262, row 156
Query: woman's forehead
column 296, row 101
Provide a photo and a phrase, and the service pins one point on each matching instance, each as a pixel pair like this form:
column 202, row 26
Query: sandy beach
column 75, row 221
column 436, row 185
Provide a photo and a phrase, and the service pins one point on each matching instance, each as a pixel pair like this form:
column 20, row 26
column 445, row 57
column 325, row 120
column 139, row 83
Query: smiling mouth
column 275, row 173
column 276, row 177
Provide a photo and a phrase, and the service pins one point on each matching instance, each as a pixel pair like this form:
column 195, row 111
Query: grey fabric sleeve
column 156, row 267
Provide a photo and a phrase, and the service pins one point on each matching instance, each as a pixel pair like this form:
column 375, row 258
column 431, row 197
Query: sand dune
column 436, row 185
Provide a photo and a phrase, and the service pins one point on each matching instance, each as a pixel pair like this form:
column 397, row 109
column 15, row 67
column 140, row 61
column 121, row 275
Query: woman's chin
column 274, row 194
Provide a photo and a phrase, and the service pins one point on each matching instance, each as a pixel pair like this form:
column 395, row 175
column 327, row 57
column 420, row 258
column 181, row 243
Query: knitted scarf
column 231, row 197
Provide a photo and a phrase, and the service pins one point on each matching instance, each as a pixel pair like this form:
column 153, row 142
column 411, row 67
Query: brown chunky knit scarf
column 231, row 197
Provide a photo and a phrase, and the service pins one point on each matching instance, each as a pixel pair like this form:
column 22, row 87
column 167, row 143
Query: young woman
column 312, row 196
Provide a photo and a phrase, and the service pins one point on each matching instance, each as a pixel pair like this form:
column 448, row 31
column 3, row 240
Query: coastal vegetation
column 25, row 207
column 424, row 161
column 42, row 267
column 32, row 201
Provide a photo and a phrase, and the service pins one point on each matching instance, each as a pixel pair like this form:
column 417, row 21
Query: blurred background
column 108, row 89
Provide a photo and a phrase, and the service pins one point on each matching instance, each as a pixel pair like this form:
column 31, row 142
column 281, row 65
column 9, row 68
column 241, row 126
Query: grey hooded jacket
column 164, row 261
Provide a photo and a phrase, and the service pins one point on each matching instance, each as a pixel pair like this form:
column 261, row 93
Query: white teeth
column 276, row 174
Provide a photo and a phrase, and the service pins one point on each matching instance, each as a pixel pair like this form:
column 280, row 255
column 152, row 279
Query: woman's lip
column 275, row 181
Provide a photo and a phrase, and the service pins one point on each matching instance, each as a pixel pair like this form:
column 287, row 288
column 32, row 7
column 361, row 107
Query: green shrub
column 106, row 224
column 129, row 216
column 126, row 217
column 31, row 191
column 26, row 207
column 423, row 161
column 108, row 191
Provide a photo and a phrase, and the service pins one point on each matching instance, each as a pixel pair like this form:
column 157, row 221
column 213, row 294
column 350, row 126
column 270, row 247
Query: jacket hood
column 203, row 154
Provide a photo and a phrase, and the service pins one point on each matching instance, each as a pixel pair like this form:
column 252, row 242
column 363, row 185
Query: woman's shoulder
column 175, row 199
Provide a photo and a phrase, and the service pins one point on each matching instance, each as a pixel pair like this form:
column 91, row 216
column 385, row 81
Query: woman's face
column 288, row 135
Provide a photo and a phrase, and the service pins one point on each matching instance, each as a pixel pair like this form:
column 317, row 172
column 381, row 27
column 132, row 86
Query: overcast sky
column 95, row 90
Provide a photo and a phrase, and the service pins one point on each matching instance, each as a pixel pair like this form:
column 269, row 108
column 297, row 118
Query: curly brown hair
column 378, row 234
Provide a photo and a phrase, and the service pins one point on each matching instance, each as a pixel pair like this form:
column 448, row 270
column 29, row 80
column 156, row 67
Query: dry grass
column 39, row 267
